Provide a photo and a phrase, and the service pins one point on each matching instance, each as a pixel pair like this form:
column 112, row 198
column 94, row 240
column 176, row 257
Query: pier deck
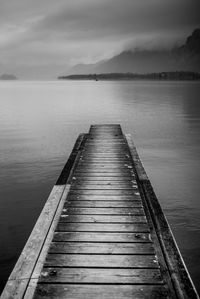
column 102, row 233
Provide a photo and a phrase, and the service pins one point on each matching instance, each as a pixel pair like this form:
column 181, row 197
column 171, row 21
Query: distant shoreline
column 7, row 77
column 178, row 75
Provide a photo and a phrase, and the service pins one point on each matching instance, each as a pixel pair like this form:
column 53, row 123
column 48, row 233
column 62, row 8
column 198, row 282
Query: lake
column 40, row 121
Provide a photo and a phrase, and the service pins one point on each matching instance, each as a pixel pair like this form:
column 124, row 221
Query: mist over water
column 40, row 121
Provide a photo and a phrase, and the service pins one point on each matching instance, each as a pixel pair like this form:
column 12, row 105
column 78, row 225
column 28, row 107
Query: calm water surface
column 39, row 122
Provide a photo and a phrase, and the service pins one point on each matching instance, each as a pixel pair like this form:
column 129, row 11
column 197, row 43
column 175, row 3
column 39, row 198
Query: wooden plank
column 104, row 192
column 101, row 261
column 103, row 173
column 137, row 163
column 101, row 237
column 116, row 197
column 112, row 179
column 108, row 171
column 108, row 155
column 19, row 278
column 84, row 275
column 97, row 248
column 108, row 136
column 106, row 133
column 62, row 180
column 107, row 162
column 103, row 203
column 106, row 148
column 101, row 182
column 92, row 291
column 89, row 183
column 112, row 138
column 115, row 132
column 105, row 176
column 106, row 152
column 87, row 160
column 106, row 143
column 98, row 227
column 102, row 211
column 109, row 131
column 117, row 155
column 103, row 126
column 103, row 218
column 104, row 179
column 103, row 144
column 99, row 138
column 100, row 168
column 105, row 157
column 99, row 158
column 107, row 186
column 115, row 165
column 95, row 135
column 41, row 259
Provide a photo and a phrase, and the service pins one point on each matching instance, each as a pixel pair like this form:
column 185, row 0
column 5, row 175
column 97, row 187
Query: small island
column 177, row 75
column 8, row 77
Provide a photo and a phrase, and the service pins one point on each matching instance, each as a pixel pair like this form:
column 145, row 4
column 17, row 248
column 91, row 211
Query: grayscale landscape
column 67, row 65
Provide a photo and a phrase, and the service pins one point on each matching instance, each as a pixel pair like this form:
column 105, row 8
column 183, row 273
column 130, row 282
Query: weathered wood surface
column 92, row 291
column 104, row 203
column 100, row 276
column 102, row 227
column 103, row 218
column 109, row 237
column 97, row 248
column 103, row 211
column 99, row 261
column 103, row 236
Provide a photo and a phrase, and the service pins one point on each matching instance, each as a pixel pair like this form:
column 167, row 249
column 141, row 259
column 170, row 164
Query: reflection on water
column 39, row 122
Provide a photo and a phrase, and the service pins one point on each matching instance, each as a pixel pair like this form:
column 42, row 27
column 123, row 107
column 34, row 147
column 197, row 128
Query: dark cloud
column 114, row 18
column 35, row 33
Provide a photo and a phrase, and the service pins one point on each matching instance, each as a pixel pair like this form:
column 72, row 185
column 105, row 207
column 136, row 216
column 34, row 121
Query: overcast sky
column 41, row 38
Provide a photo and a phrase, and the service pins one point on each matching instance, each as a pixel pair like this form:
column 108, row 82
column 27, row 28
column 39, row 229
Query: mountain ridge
column 183, row 58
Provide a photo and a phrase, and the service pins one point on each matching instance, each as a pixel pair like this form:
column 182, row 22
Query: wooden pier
column 102, row 232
